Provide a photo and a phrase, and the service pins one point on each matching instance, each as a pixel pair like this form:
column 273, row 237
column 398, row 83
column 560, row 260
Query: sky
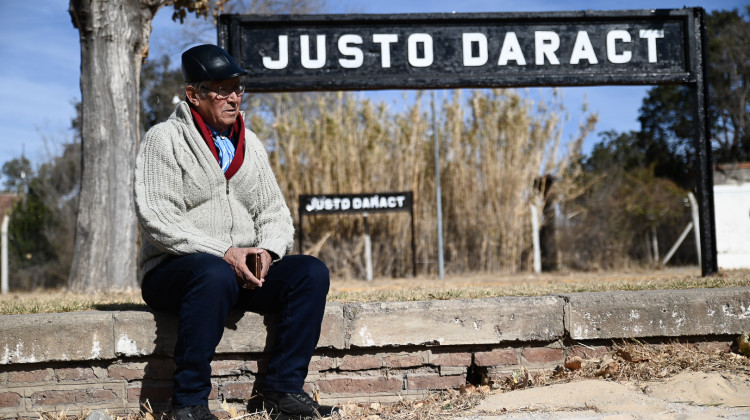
column 40, row 65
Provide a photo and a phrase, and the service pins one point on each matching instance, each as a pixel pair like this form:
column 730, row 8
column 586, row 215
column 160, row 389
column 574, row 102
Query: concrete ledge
column 56, row 337
column 140, row 333
column 455, row 322
column 77, row 336
column 658, row 313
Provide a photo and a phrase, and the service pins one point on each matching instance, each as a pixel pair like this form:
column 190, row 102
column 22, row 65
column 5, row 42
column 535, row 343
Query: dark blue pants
column 201, row 289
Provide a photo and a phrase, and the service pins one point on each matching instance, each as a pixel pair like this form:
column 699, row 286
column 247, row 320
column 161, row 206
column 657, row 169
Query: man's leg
column 295, row 288
column 200, row 289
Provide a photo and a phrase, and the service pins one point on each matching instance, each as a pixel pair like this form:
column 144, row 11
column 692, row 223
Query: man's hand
column 237, row 257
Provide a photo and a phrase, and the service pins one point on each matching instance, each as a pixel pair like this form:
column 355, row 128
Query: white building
column 732, row 212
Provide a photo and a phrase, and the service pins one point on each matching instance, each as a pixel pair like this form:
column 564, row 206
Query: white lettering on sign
column 511, row 51
column 545, row 44
column 356, row 203
column 413, row 43
column 583, row 50
column 475, row 50
column 385, row 41
column 468, row 41
column 346, row 49
column 320, row 52
column 651, row 35
column 283, row 59
column 612, row 55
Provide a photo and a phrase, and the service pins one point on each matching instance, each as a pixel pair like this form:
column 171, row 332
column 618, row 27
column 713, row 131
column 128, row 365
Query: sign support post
column 707, row 226
column 368, row 250
column 438, row 192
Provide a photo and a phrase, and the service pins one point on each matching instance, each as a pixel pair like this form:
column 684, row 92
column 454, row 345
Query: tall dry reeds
column 493, row 148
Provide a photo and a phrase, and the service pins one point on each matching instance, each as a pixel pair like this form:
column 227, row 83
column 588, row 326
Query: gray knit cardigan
column 185, row 204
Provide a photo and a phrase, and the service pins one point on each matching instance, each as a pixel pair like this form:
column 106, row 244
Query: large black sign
column 458, row 50
column 416, row 51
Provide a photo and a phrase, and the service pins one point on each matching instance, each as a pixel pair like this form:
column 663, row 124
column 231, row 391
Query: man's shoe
column 283, row 406
column 198, row 412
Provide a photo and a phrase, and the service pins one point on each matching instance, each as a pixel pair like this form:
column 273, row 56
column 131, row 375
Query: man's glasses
column 223, row 92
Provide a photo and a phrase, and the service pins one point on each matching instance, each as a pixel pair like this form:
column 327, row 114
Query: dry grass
column 470, row 286
column 477, row 285
column 54, row 301
column 494, row 145
column 634, row 361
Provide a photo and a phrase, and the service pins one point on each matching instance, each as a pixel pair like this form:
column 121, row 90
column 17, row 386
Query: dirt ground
column 689, row 395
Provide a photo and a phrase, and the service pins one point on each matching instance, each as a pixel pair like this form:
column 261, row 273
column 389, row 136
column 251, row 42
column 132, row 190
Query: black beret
column 209, row 62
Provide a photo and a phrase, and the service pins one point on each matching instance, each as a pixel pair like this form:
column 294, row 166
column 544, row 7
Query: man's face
column 217, row 102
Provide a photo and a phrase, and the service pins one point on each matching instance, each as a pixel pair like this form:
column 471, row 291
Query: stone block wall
column 124, row 385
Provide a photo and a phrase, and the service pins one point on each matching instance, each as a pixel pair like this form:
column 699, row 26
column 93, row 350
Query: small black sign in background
column 355, row 203
column 359, row 203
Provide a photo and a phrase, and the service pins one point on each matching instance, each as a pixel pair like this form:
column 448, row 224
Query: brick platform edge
column 117, row 360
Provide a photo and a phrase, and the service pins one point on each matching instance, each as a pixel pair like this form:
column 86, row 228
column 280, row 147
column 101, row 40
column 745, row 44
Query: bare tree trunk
column 114, row 41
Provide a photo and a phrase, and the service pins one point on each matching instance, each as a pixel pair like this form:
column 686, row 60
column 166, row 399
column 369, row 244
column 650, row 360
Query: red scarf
column 236, row 134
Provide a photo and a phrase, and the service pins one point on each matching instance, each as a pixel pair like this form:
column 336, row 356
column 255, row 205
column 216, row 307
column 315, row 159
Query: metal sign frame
column 481, row 50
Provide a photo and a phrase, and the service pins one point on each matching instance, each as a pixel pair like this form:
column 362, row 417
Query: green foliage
column 666, row 116
column 632, row 150
column 614, row 150
column 729, row 81
column 160, row 86
column 628, row 199
column 28, row 245
column 42, row 221
column 16, row 175
column 666, row 136
column 635, row 183
column 613, row 223
column 650, row 202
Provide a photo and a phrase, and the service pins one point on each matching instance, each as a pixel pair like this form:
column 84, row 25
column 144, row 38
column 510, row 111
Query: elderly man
column 207, row 203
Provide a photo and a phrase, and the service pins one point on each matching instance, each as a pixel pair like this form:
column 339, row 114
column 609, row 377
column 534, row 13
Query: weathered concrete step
column 658, row 313
column 104, row 335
